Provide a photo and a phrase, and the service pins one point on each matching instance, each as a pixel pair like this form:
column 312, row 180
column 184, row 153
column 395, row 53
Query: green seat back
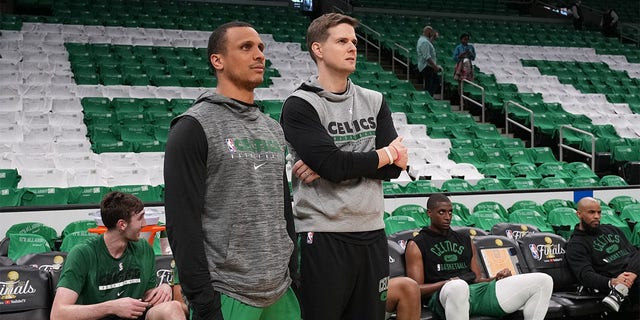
column 75, row 238
column 491, row 206
column 631, row 213
column 9, row 178
column 619, row 202
column 563, row 220
column 456, row 185
column 415, row 211
column 532, row 217
column 395, row 224
column 462, row 211
column 21, row 244
column 486, row 219
column 79, row 225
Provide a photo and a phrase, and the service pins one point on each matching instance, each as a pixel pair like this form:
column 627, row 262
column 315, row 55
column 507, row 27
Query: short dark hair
column 218, row 39
column 466, row 34
column 317, row 31
column 436, row 198
column 117, row 205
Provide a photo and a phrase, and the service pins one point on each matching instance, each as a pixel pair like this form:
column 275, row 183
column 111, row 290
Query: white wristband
column 386, row 149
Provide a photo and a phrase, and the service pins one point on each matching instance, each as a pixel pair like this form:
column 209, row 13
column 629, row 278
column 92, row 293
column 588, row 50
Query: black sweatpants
column 344, row 276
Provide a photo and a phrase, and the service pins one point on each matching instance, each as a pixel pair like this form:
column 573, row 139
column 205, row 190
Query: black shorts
column 343, row 275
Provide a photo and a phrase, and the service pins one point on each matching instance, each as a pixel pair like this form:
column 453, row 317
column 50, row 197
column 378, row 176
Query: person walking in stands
column 609, row 23
column 114, row 275
column 228, row 208
column 464, row 54
column 427, row 60
column 445, row 265
column 343, row 142
column 601, row 257
column 576, row 15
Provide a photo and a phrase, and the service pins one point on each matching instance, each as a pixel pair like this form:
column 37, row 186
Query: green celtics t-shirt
column 96, row 276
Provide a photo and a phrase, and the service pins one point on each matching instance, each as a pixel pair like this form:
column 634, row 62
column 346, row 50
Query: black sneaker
column 615, row 298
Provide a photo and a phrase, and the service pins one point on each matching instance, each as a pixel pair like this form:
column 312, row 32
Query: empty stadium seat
column 75, row 238
column 21, row 244
column 563, row 220
column 415, row 211
column 38, row 228
column 491, row 206
column 395, row 224
column 485, row 219
column 532, row 217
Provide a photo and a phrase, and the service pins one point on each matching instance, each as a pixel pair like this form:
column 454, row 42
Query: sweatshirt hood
column 244, row 110
column 313, row 85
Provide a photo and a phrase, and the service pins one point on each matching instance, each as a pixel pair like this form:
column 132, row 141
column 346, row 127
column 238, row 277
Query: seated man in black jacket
column 602, row 258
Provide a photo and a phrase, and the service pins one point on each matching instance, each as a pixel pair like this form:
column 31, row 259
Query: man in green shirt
column 113, row 276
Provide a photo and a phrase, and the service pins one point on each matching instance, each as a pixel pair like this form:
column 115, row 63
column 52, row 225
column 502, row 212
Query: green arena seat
column 553, row 183
column 581, row 182
column 553, row 169
column 489, row 184
column 525, row 170
column 556, row 203
column 389, row 187
column 462, row 211
column 78, row 225
column 491, row 206
column 542, row 155
column 9, row 178
column 146, row 193
column 22, row 244
column 45, row 196
column 415, row 211
column 521, row 183
column 395, row 224
column 486, row 219
column 75, row 238
column 456, row 185
column 618, row 203
column 563, row 220
column 519, row 155
column 609, row 216
column 420, row 186
column 527, row 204
column 631, row 213
column 532, row 217
column 48, row 233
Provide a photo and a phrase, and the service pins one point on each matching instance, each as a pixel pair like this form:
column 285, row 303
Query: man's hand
column 626, row 278
column 402, row 156
column 157, row 295
column 129, row 308
column 503, row 274
column 303, row 172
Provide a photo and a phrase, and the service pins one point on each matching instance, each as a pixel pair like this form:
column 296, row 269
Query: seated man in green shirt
column 113, row 275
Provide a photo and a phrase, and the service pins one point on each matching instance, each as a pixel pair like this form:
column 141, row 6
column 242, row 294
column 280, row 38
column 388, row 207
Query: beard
column 589, row 229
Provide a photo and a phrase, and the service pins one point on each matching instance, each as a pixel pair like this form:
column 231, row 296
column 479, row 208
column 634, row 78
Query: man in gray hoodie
column 343, row 142
column 227, row 202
